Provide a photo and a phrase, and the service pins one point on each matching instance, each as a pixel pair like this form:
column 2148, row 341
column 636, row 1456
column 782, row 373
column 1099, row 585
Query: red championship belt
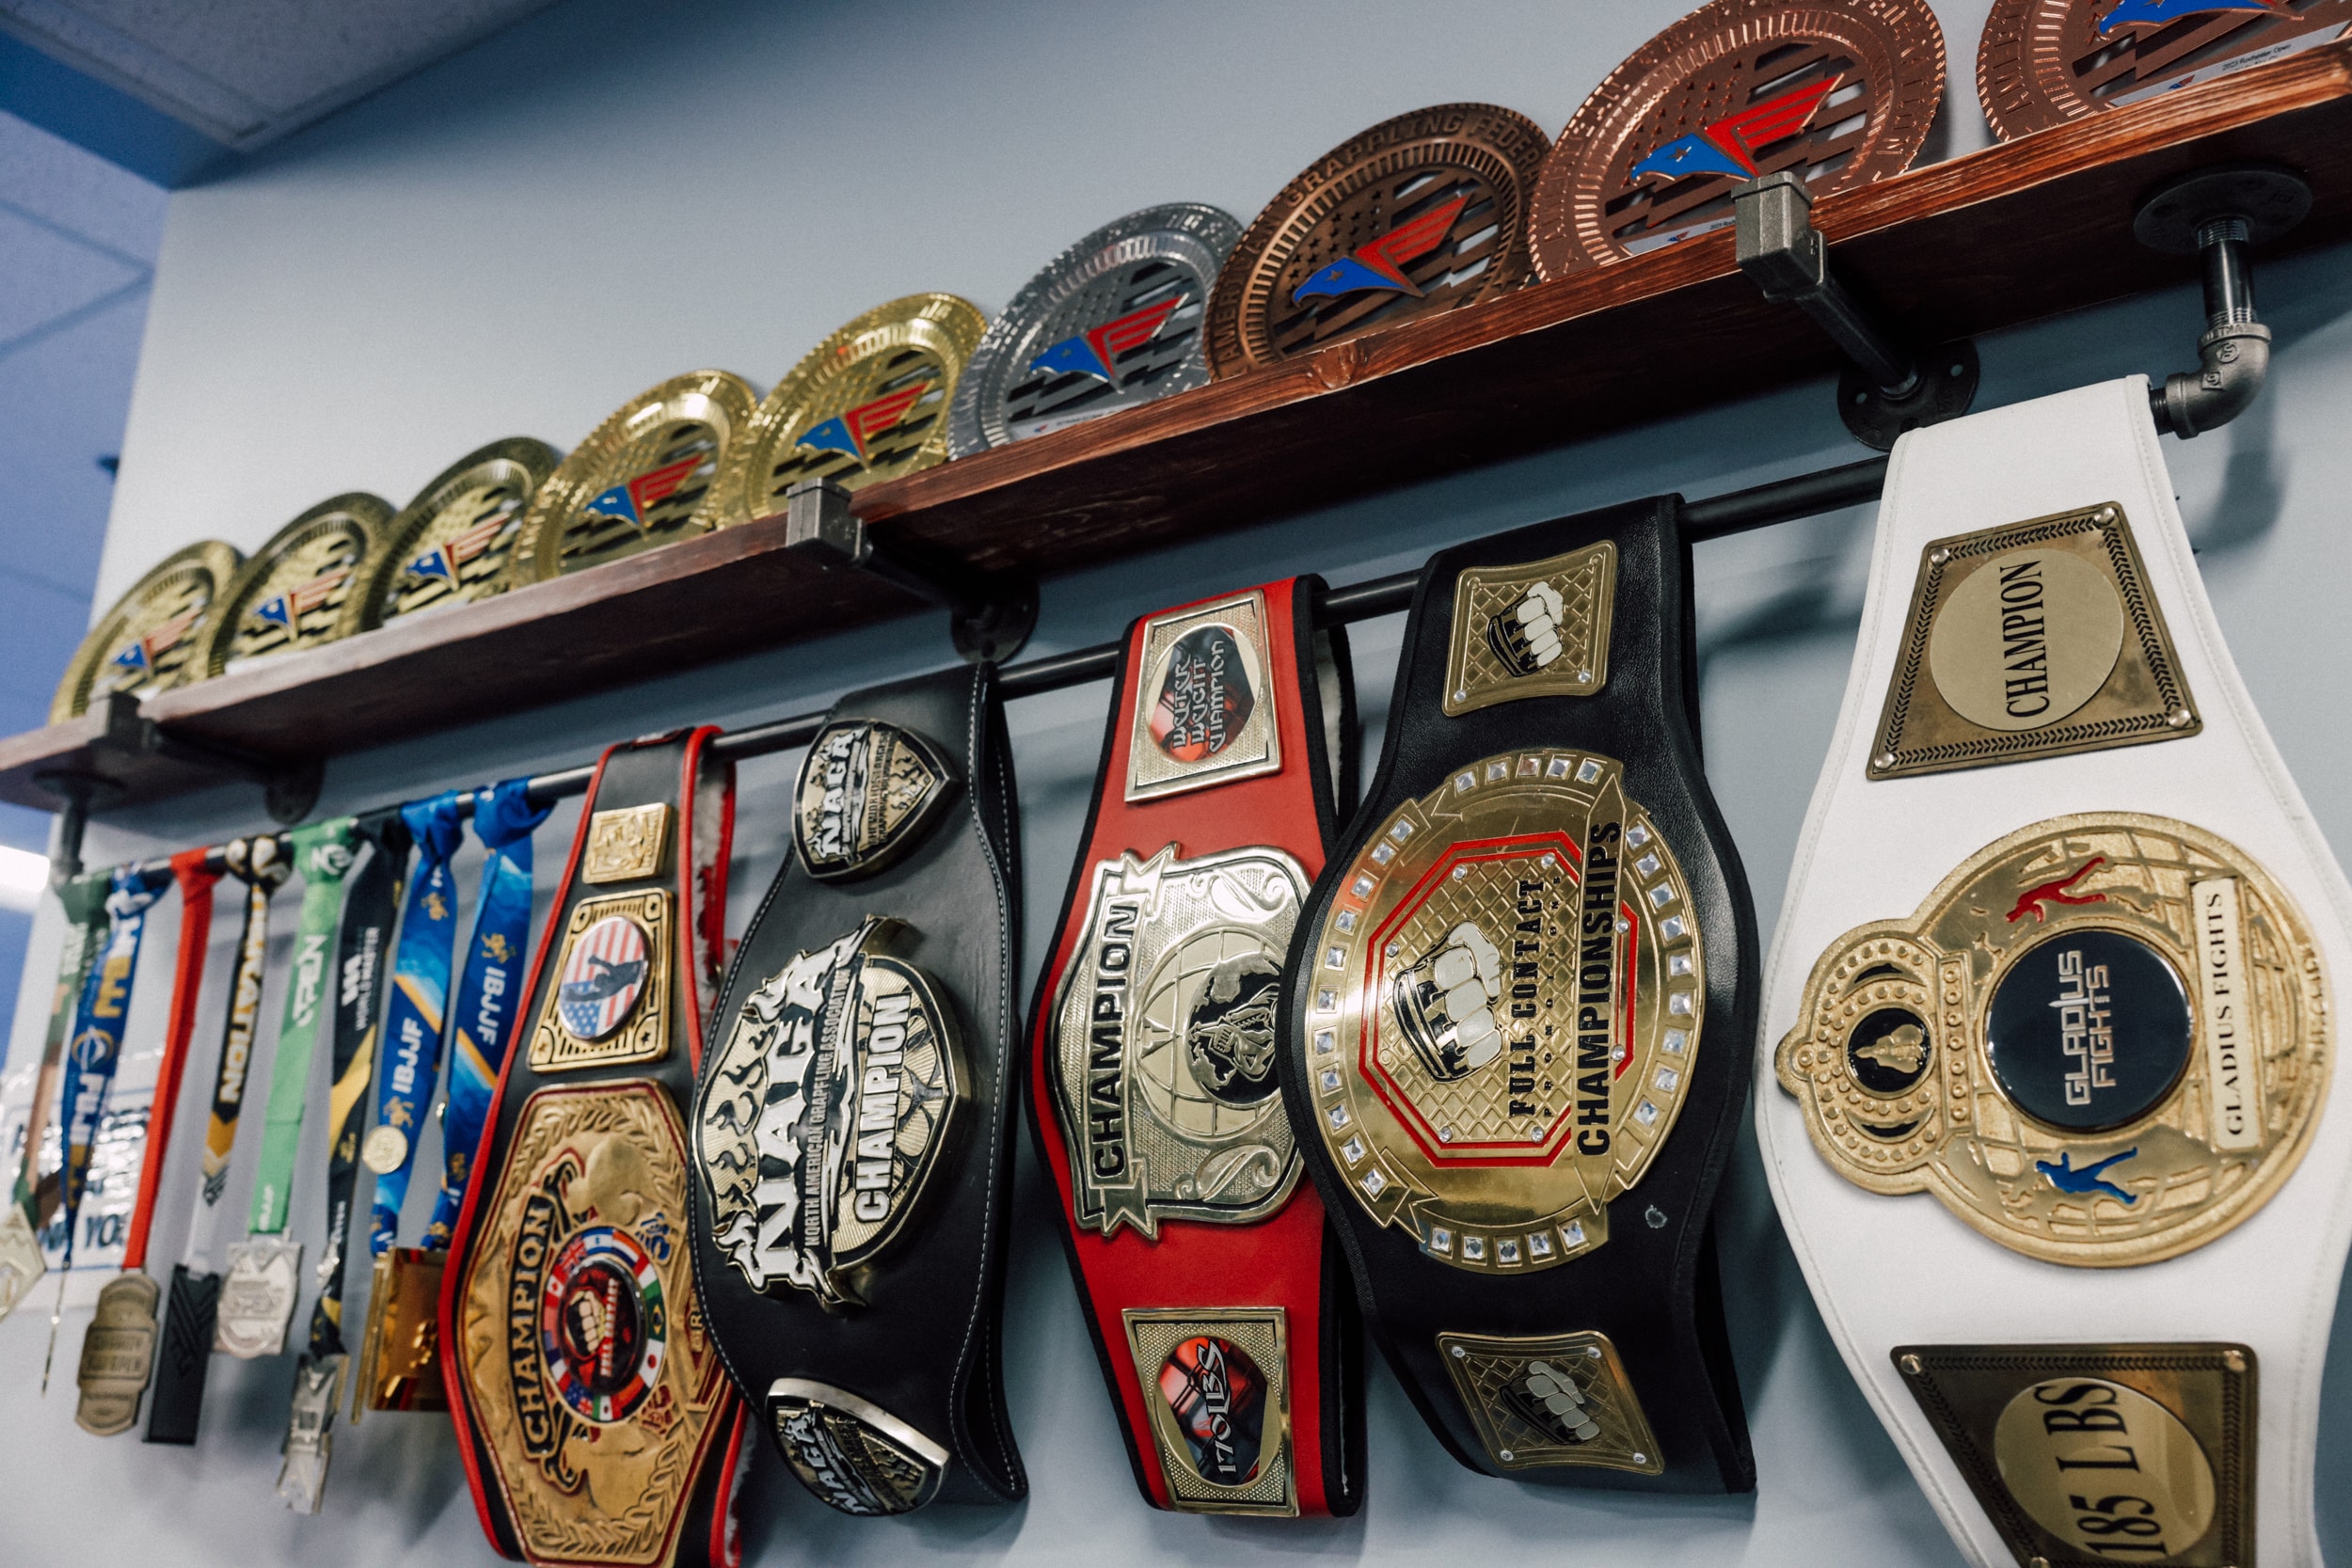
column 595, row 1421
column 1219, row 1303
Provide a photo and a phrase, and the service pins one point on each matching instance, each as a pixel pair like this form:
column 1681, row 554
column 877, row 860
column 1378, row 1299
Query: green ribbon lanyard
column 323, row 853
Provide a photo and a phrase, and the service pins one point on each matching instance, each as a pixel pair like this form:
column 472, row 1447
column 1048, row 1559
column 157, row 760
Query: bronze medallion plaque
column 1560, row 1399
column 2103, row 1040
column 2045, row 62
column 1415, row 216
column 149, row 642
column 296, row 590
column 1508, row 991
column 1840, row 93
column 454, row 542
column 2034, row 639
column 869, row 402
column 645, row 476
column 1215, row 1382
column 2088, row 1455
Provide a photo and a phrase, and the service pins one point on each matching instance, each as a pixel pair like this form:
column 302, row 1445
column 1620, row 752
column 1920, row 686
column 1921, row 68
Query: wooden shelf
column 2007, row 235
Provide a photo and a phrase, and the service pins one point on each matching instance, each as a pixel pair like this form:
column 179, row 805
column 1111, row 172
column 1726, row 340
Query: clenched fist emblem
column 1526, row 637
column 1446, row 1004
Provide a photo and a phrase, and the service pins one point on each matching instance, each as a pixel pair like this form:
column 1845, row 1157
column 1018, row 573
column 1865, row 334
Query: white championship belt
column 2047, row 1039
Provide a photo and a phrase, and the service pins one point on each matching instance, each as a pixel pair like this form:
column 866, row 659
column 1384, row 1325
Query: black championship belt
column 595, row 1420
column 851, row 1135
column 1517, row 1030
column 1215, row 1294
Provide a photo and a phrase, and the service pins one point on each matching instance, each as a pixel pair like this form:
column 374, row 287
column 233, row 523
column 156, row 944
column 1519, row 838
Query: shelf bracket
column 989, row 618
column 1886, row 388
column 289, row 789
column 2217, row 214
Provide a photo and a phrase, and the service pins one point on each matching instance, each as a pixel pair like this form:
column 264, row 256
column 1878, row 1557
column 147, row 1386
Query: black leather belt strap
column 852, row 1132
column 1519, row 1013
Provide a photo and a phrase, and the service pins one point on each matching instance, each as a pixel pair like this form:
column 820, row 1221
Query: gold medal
column 298, row 591
column 455, row 542
column 644, row 477
column 400, row 1355
column 869, row 402
column 2103, row 1040
column 148, row 642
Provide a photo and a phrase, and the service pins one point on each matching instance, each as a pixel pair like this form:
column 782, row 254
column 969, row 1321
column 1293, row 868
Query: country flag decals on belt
column 444, row 562
column 292, row 606
column 631, row 503
column 142, row 654
column 603, row 977
column 1729, row 145
column 1096, row 352
column 1380, row 263
column 850, row 432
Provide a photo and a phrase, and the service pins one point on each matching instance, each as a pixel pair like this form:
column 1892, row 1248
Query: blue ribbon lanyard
column 491, row 991
column 412, row 1024
column 97, row 1047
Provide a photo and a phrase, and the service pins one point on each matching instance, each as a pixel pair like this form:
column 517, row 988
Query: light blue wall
column 521, row 239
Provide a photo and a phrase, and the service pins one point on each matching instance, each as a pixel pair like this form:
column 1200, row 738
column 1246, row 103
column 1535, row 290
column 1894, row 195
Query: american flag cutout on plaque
column 603, row 977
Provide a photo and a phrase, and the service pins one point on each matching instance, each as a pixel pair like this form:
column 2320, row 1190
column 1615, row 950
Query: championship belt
column 32, row 1199
column 1220, row 1312
column 119, row 1346
column 2051, row 998
column 146, row 643
column 299, row 590
column 1517, row 1012
column 853, row 1134
column 594, row 1416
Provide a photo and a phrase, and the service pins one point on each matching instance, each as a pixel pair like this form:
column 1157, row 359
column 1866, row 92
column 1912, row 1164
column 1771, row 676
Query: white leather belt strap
column 1894, row 1269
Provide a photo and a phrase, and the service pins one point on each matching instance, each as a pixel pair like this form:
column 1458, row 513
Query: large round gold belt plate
column 2103, row 1040
column 300, row 590
column 149, row 642
column 2045, row 62
column 1842, row 94
column 1503, row 1002
column 1417, row 215
column 646, row 476
column 867, row 403
column 455, row 542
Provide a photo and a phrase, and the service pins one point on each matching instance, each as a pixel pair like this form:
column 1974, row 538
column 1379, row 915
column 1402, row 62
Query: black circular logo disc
column 2089, row 1030
column 1888, row 1050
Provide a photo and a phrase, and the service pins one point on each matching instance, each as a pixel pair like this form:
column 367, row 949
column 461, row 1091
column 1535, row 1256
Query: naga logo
column 140, row 657
column 1381, row 264
column 290, row 607
column 850, row 432
column 2156, row 14
column 1729, row 145
column 441, row 564
column 633, row 501
column 1096, row 352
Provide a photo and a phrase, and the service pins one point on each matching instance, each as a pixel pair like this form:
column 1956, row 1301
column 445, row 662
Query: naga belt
column 593, row 1418
column 852, row 1132
column 2049, row 1017
column 1217, row 1298
column 1520, row 1000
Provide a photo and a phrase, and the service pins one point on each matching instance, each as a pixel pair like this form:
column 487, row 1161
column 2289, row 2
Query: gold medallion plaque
column 1216, row 1383
column 2034, row 639
column 868, row 402
column 295, row 590
column 646, row 476
column 1558, row 1399
column 625, row 843
column 1205, row 710
column 610, row 999
column 2085, row 1455
column 2101, row 1041
column 455, row 542
column 589, row 1371
column 147, row 643
column 1504, row 1002
column 400, row 1353
column 1537, row 630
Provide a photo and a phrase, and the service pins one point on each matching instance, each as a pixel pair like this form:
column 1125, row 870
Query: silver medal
column 309, row 1435
column 20, row 1263
column 257, row 1299
column 1112, row 322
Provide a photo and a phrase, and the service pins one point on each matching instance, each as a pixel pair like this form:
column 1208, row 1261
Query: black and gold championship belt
column 147, row 643
column 647, row 476
column 298, row 591
column 591, row 1411
column 455, row 542
column 2050, row 1011
column 1215, row 1292
column 853, row 1135
column 1517, row 1016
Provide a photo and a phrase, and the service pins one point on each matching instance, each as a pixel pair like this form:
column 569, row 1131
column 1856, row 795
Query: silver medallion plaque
column 257, row 1298
column 1112, row 322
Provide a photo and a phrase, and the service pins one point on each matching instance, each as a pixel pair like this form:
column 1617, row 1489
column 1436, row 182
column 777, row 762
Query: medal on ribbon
column 32, row 1200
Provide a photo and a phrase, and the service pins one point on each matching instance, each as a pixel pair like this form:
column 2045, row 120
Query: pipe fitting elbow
column 2233, row 360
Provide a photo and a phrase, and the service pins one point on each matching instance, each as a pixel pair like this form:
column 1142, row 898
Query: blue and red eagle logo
column 2156, row 14
column 285, row 610
column 140, row 657
column 1380, row 263
column 852, row 433
column 441, row 562
column 634, row 501
column 1096, row 352
column 1729, row 145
